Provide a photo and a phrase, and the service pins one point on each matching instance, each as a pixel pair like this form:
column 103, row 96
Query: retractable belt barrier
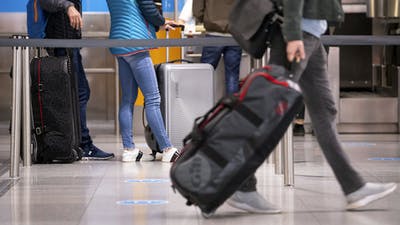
column 331, row 40
column 21, row 85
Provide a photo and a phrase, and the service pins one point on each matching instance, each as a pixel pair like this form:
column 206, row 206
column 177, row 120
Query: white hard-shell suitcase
column 186, row 93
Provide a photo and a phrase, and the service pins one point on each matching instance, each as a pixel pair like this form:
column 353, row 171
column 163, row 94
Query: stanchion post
column 116, row 122
column 16, row 113
column 278, row 158
column 176, row 10
column 26, row 115
column 288, row 162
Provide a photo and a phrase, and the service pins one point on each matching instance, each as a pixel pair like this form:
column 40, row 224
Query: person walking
column 299, row 37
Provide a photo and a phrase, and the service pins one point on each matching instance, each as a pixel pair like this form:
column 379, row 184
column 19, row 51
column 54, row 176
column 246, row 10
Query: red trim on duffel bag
column 268, row 77
column 209, row 118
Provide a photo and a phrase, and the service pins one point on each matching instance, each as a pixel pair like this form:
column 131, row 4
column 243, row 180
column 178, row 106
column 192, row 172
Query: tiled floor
column 104, row 192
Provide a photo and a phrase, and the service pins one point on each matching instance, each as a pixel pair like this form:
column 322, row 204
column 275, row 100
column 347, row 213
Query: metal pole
column 288, row 162
column 176, row 10
column 26, row 125
column 16, row 113
column 167, row 48
column 116, row 121
column 398, row 98
column 278, row 158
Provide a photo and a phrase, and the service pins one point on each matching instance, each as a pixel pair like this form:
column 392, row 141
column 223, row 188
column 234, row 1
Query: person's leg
column 129, row 90
column 83, row 94
column 232, row 58
column 145, row 76
column 211, row 54
column 314, row 82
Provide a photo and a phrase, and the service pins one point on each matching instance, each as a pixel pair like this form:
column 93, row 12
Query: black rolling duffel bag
column 233, row 139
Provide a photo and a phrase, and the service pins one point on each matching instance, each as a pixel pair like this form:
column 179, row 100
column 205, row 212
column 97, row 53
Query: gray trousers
column 313, row 80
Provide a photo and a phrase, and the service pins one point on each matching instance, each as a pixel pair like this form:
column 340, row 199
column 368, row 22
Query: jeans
column 232, row 56
column 83, row 92
column 136, row 71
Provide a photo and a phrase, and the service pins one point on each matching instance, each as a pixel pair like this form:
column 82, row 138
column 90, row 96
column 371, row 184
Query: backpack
column 36, row 19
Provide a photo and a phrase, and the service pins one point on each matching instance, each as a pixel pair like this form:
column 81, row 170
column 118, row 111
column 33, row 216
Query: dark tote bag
column 252, row 23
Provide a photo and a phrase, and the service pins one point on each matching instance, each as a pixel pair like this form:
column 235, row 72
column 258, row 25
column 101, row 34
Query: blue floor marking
column 142, row 202
column 147, row 181
column 385, row 159
column 359, row 144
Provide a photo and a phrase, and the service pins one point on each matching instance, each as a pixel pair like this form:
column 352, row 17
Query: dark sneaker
column 94, row 153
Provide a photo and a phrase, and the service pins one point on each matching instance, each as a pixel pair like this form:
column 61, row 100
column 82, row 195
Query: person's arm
column 53, row 6
column 291, row 29
column 293, row 11
column 198, row 9
column 151, row 13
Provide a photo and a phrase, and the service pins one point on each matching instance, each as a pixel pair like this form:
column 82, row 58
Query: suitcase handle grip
column 174, row 25
column 180, row 60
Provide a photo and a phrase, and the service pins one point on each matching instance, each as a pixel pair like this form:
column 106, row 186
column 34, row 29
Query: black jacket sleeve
column 55, row 5
column 150, row 13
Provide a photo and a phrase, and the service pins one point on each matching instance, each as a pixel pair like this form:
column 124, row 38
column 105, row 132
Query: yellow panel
column 158, row 55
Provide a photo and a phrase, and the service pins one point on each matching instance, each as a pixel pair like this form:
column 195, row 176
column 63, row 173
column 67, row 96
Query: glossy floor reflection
column 112, row 192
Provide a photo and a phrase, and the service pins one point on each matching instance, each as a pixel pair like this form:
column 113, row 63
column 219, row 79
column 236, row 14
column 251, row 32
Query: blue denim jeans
column 232, row 56
column 83, row 91
column 138, row 71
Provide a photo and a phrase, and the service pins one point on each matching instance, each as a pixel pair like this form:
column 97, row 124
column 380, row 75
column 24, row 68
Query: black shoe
column 298, row 130
column 94, row 153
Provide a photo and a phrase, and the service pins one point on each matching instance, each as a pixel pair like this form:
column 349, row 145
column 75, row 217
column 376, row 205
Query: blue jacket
column 128, row 22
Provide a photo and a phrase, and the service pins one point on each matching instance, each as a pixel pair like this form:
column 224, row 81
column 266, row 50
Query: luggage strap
column 216, row 157
column 249, row 114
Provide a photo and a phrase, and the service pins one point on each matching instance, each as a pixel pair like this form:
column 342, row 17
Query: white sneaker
column 170, row 154
column 252, row 202
column 131, row 155
column 368, row 193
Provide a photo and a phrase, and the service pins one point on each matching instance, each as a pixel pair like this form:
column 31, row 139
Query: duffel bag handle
column 201, row 121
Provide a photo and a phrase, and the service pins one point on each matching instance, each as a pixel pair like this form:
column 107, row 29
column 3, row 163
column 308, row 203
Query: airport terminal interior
column 112, row 192
column 364, row 81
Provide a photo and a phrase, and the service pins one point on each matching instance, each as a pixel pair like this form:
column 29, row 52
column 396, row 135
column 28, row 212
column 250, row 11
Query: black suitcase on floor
column 55, row 110
column 234, row 138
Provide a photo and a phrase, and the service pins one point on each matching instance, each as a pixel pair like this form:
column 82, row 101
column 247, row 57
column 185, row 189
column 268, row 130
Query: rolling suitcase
column 55, row 110
column 187, row 92
column 234, row 138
